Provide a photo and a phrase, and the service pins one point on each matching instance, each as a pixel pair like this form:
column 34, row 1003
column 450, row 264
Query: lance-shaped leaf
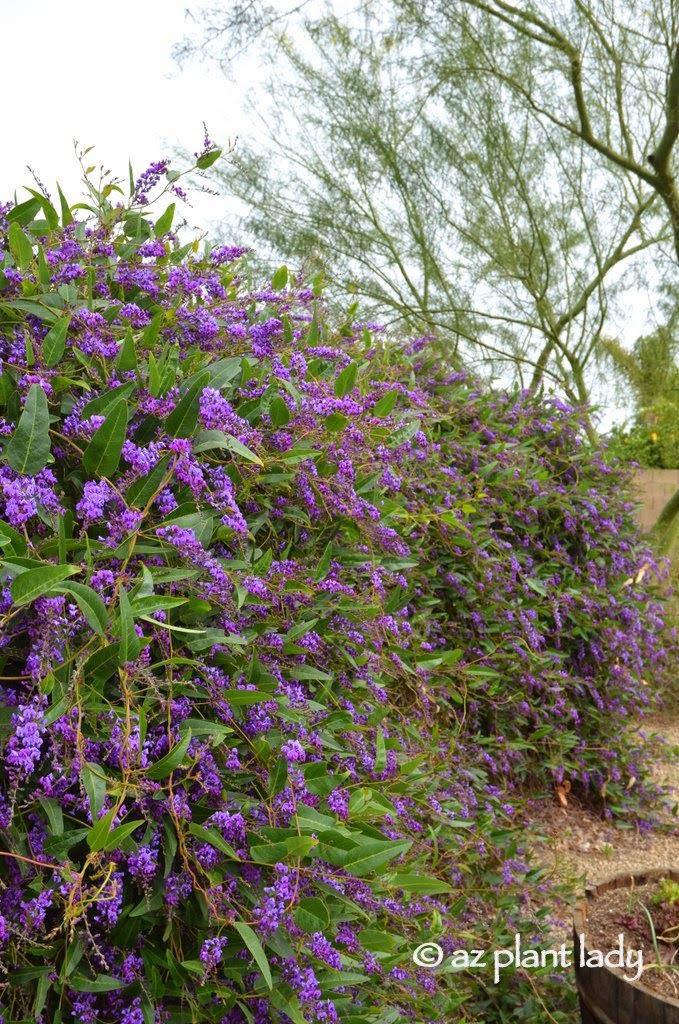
column 164, row 222
column 102, row 455
column 219, row 439
column 369, row 857
column 184, row 416
column 127, row 356
column 130, row 645
column 37, row 582
column 89, row 602
column 20, row 247
column 255, row 946
column 99, row 405
column 346, row 380
column 142, row 490
column 55, row 342
column 172, row 759
column 29, row 447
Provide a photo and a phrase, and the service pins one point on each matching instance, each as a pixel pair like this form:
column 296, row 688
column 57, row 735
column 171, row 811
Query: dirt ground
column 582, row 844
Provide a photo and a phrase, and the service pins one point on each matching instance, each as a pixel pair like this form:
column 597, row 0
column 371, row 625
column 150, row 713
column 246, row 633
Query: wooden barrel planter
column 606, row 995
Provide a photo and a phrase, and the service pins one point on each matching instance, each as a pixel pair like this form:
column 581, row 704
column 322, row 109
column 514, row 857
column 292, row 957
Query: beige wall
column 655, row 487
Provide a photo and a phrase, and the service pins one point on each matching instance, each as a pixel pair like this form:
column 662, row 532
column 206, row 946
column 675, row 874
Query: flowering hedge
column 290, row 620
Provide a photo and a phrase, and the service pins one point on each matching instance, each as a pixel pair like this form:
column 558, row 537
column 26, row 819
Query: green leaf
column 24, row 212
column 127, row 356
column 164, row 222
column 404, row 433
column 155, row 603
column 291, row 1008
column 261, row 566
column 307, row 672
column 74, row 955
column 300, row 846
column 385, row 404
column 280, row 278
column 101, row 665
column 324, row 564
column 44, row 275
column 20, row 247
column 222, row 372
column 183, row 418
column 278, row 777
column 420, row 884
column 346, row 380
column 312, row 333
column 29, row 447
column 279, row 412
column 170, row 627
column 37, row 582
column 336, row 421
column 102, row 983
column 99, row 405
column 211, row 836
column 55, row 341
column 254, row 945
column 121, row 833
column 197, row 966
column 57, row 710
column 219, row 439
column 381, row 752
column 208, row 159
column 42, row 988
column 66, row 215
column 55, row 816
column 98, row 835
column 239, row 697
column 370, row 856
column 95, row 786
column 172, row 759
column 35, row 308
column 142, row 491
column 312, row 915
column 202, row 727
column 90, row 604
column 129, row 641
column 102, row 455
column 18, row 542
column 147, row 905
column 300, row 629
column 268, row 853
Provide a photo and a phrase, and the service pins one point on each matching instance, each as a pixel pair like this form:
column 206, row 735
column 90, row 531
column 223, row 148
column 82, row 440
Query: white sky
column 102, row 73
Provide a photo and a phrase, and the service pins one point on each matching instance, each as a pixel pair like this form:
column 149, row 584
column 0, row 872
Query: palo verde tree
column 406, row 156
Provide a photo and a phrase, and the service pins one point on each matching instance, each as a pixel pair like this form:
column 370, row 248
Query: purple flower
column 322, row 950
column 93, row 502
column 293, row 751
column 211, row 952
column 25, row 744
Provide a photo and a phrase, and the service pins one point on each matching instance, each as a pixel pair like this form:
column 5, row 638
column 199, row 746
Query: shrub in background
column 653, row 441
column 291, row 620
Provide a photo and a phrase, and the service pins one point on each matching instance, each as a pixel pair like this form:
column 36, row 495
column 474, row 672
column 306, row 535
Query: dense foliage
column 651, row 447
column 290, row 620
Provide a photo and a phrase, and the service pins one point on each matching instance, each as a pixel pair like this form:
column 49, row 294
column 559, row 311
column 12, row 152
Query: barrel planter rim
column 592, row 893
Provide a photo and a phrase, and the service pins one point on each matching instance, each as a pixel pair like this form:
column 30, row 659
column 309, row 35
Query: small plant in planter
column 626, row 934
column 663, row 916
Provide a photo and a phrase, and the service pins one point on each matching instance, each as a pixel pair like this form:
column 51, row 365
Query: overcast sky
column 103, row 74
